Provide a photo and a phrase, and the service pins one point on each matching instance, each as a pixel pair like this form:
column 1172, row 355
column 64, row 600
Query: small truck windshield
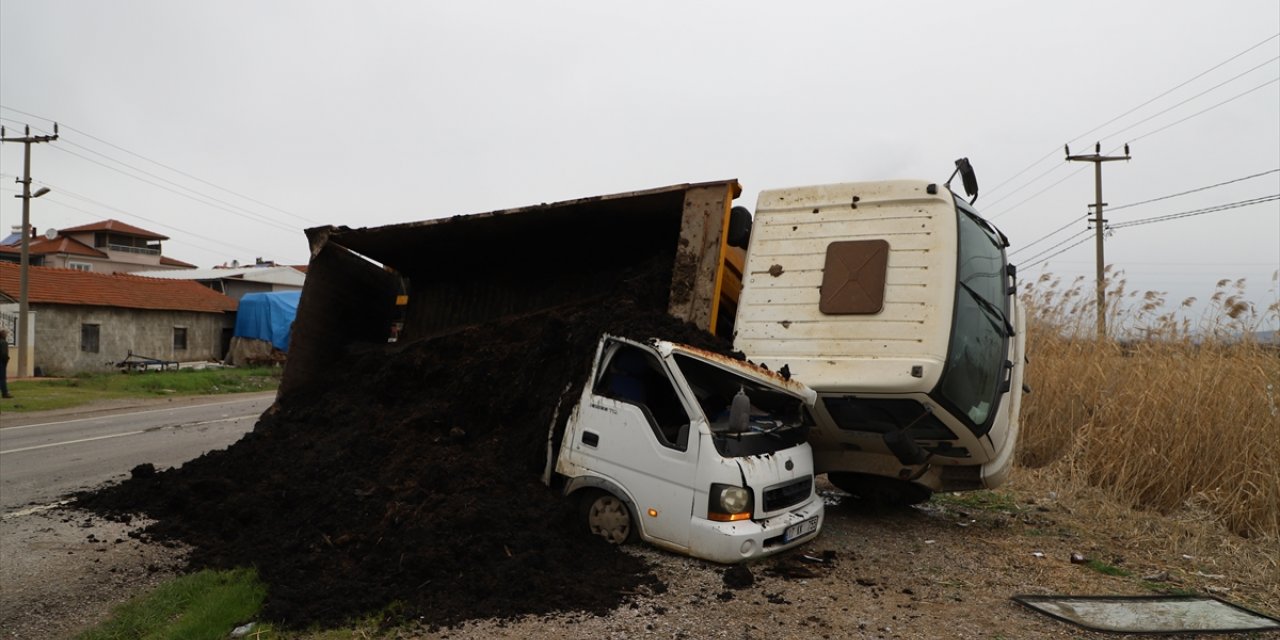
column 774, row 415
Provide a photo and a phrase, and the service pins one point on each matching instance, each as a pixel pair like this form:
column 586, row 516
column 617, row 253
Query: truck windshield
column 977, row 351
column 778, row 420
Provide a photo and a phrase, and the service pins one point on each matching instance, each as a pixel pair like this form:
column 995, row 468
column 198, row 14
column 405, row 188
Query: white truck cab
column 690, row 451
column 896, row 302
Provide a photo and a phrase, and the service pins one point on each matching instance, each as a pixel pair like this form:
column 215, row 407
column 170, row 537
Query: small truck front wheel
column 608, row 517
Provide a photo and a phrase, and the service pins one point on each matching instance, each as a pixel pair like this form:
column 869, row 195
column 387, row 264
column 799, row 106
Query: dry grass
column 1167, row 414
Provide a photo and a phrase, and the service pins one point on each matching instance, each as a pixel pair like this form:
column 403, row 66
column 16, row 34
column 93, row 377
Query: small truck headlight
column 728, row 503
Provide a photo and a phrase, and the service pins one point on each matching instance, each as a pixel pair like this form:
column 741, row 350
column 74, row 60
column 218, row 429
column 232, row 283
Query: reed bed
column 1166, row 413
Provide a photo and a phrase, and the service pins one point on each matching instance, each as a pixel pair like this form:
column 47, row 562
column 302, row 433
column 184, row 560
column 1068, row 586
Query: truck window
column 637, row 377
column 980, row 329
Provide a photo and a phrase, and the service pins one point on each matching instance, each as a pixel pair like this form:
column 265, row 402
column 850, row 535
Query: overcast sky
column 269, row 117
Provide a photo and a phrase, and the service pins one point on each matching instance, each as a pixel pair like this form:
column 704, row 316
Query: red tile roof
column 40, row 245
column 174, row 262
column 67, row 286
column 115, row 226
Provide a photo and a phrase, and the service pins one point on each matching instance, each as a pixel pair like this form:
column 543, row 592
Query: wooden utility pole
column 23, row 339
column 1098, row 222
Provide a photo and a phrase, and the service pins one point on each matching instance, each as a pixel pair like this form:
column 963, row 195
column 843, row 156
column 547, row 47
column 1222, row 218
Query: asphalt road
column 44, row 457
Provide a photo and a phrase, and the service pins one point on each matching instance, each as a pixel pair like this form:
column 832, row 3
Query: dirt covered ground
column 944, row 569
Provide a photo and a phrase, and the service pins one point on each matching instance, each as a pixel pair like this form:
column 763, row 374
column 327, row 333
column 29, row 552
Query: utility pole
column 23, row 340
column 1098, row 222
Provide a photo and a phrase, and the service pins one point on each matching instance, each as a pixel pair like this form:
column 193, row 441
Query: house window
column 180, row 338
column 80, row 266
column 89, row 338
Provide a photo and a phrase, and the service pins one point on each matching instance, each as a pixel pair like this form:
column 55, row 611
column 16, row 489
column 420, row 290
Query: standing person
column 4, row 363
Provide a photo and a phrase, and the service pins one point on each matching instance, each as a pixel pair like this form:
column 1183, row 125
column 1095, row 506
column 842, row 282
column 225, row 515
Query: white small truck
column 690, row 451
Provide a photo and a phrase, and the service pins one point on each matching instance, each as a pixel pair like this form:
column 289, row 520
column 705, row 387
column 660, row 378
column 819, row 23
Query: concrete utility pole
column 1098, row 222
column 23, row 342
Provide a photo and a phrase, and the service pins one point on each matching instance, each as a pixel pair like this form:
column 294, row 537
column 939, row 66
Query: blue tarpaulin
column 268, row 316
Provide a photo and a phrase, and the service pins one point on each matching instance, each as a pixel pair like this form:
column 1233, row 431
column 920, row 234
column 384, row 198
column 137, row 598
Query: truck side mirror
column 739, row 412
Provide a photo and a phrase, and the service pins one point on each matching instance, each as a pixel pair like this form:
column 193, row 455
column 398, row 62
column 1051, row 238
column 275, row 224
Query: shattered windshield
column 777, row 419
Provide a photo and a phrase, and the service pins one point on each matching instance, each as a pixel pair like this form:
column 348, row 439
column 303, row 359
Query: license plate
column 800, row 529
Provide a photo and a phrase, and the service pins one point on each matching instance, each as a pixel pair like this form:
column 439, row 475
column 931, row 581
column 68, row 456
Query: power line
column 163, row 179
column 266, row 221
column 1046, row 258
column 89, row 215
column 1147, row 119
column 61, row 190
column 1212, row 186
column 1047, row 235
column 1085, row 232
column 1206, row 110
column 1196, row 212
column 1038, row 193
column 247, row 214
column 170, row 168
column 1134, row 204
column 1179, row 104
column 1149, row 133
column 1183, row 84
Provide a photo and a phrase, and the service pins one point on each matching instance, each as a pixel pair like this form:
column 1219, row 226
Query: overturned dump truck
column 687, row 449
column 893, row 301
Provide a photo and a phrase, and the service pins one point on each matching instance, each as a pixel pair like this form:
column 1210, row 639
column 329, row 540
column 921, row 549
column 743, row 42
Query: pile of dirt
column 411, row 477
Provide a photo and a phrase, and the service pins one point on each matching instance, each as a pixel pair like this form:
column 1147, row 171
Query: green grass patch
column 41, row 394
column 978, row 501
column 208, row 604
column 1107, row 569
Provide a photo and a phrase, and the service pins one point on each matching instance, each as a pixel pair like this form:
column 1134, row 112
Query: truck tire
column 878, row 490
column 608, row 517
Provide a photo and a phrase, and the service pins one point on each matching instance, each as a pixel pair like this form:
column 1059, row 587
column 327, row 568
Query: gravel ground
column 942, row 570
column 62, row 570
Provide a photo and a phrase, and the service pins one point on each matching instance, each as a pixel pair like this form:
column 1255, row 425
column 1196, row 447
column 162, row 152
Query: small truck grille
column 785, row 495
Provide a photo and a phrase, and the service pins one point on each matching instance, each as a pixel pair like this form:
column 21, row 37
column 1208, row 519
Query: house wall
column 144, row 332
column 100, row 265
column 9, row 320
column 237, row 288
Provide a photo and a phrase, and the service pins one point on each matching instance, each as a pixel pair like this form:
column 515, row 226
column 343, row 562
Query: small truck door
column 640, row 435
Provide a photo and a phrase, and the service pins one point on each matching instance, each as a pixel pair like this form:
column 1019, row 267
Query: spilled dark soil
column 410, row 476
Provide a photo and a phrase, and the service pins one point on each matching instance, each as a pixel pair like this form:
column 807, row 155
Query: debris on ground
column 739, row 577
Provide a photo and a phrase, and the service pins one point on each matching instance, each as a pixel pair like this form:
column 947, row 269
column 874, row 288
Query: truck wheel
column 608, row 517
column 879, row 490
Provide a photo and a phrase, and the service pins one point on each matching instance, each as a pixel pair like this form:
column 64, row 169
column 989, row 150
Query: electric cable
column 1047, row 258
column 1175, row 195
column 1179, row 86
column 1072, row 237
column 1047, row 235
column 61, row 190
column 161, row 164
column 1195, row 212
